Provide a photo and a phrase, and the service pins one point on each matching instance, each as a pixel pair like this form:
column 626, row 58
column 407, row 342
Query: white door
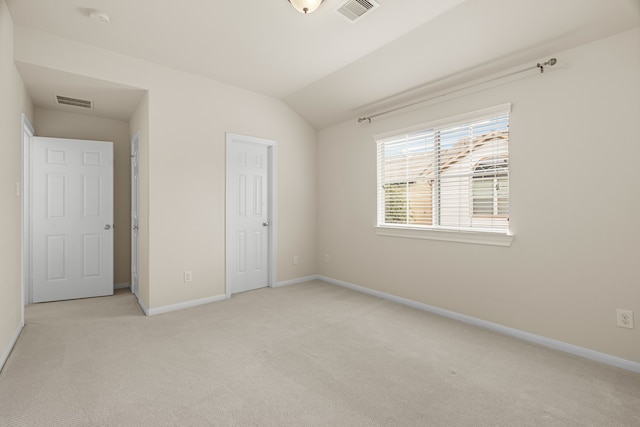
column 249, row 214
column 71, row 219
column 134, row 216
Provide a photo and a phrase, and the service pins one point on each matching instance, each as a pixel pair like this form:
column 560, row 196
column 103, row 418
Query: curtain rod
column 551, row 62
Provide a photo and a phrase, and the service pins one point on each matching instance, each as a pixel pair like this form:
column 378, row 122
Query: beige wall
column 13, row 102
column 574, row 153
column 58, row 124
column 185, row 154
column 188, row 121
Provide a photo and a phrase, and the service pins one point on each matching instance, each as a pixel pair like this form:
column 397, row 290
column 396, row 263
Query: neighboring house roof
column 453, row 155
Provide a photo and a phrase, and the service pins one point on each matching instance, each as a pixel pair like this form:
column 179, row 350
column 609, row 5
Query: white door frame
column 273, row 217
column 27, row 134
column 135, row 211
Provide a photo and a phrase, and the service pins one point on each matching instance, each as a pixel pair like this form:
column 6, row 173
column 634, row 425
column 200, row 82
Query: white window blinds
column 453, row 175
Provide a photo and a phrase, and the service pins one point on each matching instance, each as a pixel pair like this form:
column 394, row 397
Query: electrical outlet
column 296, row 259
column 625, row 318
column 188, row 276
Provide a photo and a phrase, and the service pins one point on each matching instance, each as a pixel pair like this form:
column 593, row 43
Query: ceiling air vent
column 64, row 100
column 355, row 9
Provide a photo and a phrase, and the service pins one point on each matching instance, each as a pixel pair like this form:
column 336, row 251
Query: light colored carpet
column 305, row 355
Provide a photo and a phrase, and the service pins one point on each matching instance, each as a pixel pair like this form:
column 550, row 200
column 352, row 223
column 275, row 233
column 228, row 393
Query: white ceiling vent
column 64, row 100
column 355, row 9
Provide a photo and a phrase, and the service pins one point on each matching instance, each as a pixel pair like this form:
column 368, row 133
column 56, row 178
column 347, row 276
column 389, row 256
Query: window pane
column 503, row 196
column 453, row 176
column 420, row 203
column 395, row 203
column 483, row 196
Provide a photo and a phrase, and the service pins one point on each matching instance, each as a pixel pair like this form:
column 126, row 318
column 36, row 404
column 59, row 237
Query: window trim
column 440, row 233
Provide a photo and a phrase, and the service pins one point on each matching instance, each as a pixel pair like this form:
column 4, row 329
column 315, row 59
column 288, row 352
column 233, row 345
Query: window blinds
column 453, row 176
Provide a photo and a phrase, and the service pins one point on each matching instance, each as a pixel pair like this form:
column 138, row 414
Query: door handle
column 265, row 224
column 107, row 227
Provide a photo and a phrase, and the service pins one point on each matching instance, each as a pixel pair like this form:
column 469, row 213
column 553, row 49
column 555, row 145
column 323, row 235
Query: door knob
column 265, row 224
column 107, row 226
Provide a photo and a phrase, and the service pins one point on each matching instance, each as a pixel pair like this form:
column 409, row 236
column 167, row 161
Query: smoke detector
column 353, row 10
column 98, row 16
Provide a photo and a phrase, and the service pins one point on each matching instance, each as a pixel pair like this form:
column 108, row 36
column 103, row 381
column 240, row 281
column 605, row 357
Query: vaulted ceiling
column 326, row 68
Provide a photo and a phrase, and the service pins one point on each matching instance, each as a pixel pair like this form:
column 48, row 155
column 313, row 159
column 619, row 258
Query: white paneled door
column 248, row 210
column 71, row 219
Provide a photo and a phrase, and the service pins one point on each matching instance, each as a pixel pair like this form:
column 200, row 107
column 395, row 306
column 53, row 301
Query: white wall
column 60, row 124
column 185, row 154
column 13, row 102
column 574, row 153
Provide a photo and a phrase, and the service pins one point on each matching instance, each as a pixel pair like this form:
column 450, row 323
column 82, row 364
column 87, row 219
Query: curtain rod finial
column 551, row 62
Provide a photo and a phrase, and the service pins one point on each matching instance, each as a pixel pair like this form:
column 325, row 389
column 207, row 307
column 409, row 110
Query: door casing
column 135, row 248
column 271, row 145
column 28, row 132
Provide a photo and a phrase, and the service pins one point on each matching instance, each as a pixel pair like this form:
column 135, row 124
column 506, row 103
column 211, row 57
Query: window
column 490, row 189
column 450, row 176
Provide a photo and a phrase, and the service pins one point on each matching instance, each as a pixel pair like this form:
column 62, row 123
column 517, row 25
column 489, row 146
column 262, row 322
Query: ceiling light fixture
column 305, row 6
column 98, row 16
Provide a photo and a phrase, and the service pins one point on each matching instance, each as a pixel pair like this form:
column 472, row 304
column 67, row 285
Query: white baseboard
column 182, row 305
column 12, row 343
column 296, row 281
column 122, row 286
column 217, row 298
column 516, row 333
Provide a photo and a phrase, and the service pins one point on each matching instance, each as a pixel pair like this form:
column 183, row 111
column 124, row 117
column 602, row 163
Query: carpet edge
column 586, row 353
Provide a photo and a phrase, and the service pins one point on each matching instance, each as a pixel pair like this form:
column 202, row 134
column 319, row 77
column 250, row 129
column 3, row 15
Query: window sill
column 474, row 237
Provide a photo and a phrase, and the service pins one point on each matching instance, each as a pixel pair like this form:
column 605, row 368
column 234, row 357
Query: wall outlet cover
column 624, row 318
